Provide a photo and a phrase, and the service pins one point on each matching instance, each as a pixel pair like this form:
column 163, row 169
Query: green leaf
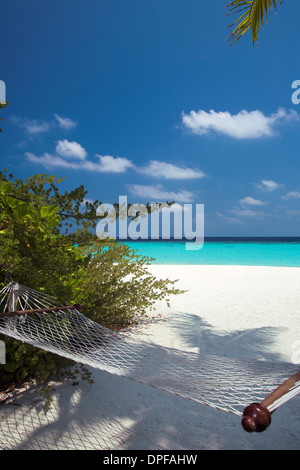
column 5, row 186
column 254, row 14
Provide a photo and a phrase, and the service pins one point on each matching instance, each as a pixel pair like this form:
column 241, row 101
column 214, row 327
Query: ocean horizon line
column 219, row 239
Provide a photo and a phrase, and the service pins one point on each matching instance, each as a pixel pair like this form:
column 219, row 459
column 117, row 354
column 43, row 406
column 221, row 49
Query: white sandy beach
column 228, row 311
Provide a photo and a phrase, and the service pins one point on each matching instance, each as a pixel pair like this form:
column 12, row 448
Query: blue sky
column 147, row 99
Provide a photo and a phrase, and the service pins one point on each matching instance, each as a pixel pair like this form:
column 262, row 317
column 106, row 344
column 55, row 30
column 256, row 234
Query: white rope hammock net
column 222, row 383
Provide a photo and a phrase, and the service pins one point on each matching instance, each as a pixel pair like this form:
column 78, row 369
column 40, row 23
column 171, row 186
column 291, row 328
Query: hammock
column 225, row 384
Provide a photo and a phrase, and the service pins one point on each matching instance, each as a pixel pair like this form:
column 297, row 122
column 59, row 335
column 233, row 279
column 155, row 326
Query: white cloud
column 51, row 161
column 72, row 155
column 34, row 127
column 156, row 193
column 252, row 202
column 247, row 213
column 169, row 171
column 67, row 149
column 31, row 126
column 109, row 164
column 268, row 185
column 65, row 122
column 244, row 125
column 292, row 195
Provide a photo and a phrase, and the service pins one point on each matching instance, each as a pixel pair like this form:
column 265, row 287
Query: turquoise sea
column 256, row 251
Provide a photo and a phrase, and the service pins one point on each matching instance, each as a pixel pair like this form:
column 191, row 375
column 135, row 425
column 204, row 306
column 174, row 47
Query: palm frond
column 254, row 13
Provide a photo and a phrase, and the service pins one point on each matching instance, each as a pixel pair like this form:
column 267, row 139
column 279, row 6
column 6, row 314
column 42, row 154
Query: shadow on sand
column 117, row 413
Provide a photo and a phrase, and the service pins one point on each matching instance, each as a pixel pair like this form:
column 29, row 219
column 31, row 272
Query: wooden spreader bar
column 39, row 310
column 257, row 417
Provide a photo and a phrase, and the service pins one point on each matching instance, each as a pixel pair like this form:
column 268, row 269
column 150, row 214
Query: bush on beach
column 48, row 243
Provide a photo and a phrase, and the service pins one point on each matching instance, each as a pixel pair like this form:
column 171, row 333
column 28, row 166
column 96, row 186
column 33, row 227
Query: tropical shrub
column 48, row 243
